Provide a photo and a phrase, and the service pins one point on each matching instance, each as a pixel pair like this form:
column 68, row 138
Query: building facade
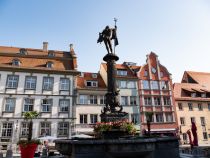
column 192, row 99
column 156, row 96
column 39, row 80
column 90, row 91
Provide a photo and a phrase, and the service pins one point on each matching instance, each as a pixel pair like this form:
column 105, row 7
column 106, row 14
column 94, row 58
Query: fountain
column 115, row 144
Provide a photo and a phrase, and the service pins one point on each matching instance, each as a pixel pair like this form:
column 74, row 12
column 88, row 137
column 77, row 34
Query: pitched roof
column 37, row 59
column 202, row 78
column 88, row 76
column 131, row 70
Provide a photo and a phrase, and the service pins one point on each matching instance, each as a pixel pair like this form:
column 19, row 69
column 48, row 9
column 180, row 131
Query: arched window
column 49, row 64
column 16, row 62
column 23, row 51
column 51, row 54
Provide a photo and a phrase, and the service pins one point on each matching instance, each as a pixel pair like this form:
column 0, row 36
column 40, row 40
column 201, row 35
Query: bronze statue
column 107, row 35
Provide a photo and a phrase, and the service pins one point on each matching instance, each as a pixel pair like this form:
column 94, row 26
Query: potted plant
column 28, row 147
column 149, row 120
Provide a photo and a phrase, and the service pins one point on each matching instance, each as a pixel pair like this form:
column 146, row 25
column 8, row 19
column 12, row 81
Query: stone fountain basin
column 119, row 148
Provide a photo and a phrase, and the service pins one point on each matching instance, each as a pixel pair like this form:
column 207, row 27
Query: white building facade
column 36, row 80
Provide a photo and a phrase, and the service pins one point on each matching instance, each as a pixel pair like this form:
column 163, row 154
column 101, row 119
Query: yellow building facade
column 192, row 100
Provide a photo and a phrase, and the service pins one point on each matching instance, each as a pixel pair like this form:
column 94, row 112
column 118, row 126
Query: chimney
column 71, row 49
column 45, row 45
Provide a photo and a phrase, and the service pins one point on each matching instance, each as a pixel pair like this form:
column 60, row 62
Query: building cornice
column 36, row 70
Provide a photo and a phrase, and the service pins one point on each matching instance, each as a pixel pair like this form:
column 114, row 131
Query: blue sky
column 178, row 31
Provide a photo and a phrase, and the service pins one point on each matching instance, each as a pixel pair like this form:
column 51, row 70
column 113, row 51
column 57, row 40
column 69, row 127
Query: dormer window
column 51, row 54
column 122, row 73
column 92, row 83
column 203, row 95
column 161, row 74
column 49, row 64
column 193, row 94
column 145, row 73
column 94, row 75
column 16, row 62
column 23, row 51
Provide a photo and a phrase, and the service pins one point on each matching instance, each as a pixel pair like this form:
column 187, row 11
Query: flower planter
column 28, row 150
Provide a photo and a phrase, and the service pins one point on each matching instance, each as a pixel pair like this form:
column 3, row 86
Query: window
column 167, row 100
column 159, row 117
column 192, row 119
column 46, row 105
column 124, row 100
column 145, row 84
column 23, row 51
column 185, row 137
column 203, row 95
column 122, row 84
column 10, row 105
column 169, row 117
column 49, row 64
column 28, row 104
column 133, row 100
column 30, row 82
column 102, row 100
column 7, row 129
column 48, row 83
column 205, row 136
column 64, row 105
column 92, row 83
column 64, row 84
column 203, row 122
column 24, row 129
column 12, row 81
column 180, row 106
column 121, row 72
column 153, row 70
column 94, row 75
column 200, row 107
column 135, row 118
column 51, row 54
column 209, row 107
column 182, row 121
column 161, row 74
column 83, row 118
column 164, row 85
column 93, row 99
column 63, row 128
column 93, row 118
column 157, row 100
column 147, row 101
column 154, row 85
column 16, row 62
column 149, row 117
column 83, row 99
column 131, row 84
column 145, row 73
column 45, row 129
column 190, row 106
column 193, row 94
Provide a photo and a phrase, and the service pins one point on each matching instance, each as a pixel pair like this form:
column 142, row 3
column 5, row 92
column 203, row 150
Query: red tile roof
column 201, row 78
column 88, row 76
column 37, row 59
column 131, row 70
